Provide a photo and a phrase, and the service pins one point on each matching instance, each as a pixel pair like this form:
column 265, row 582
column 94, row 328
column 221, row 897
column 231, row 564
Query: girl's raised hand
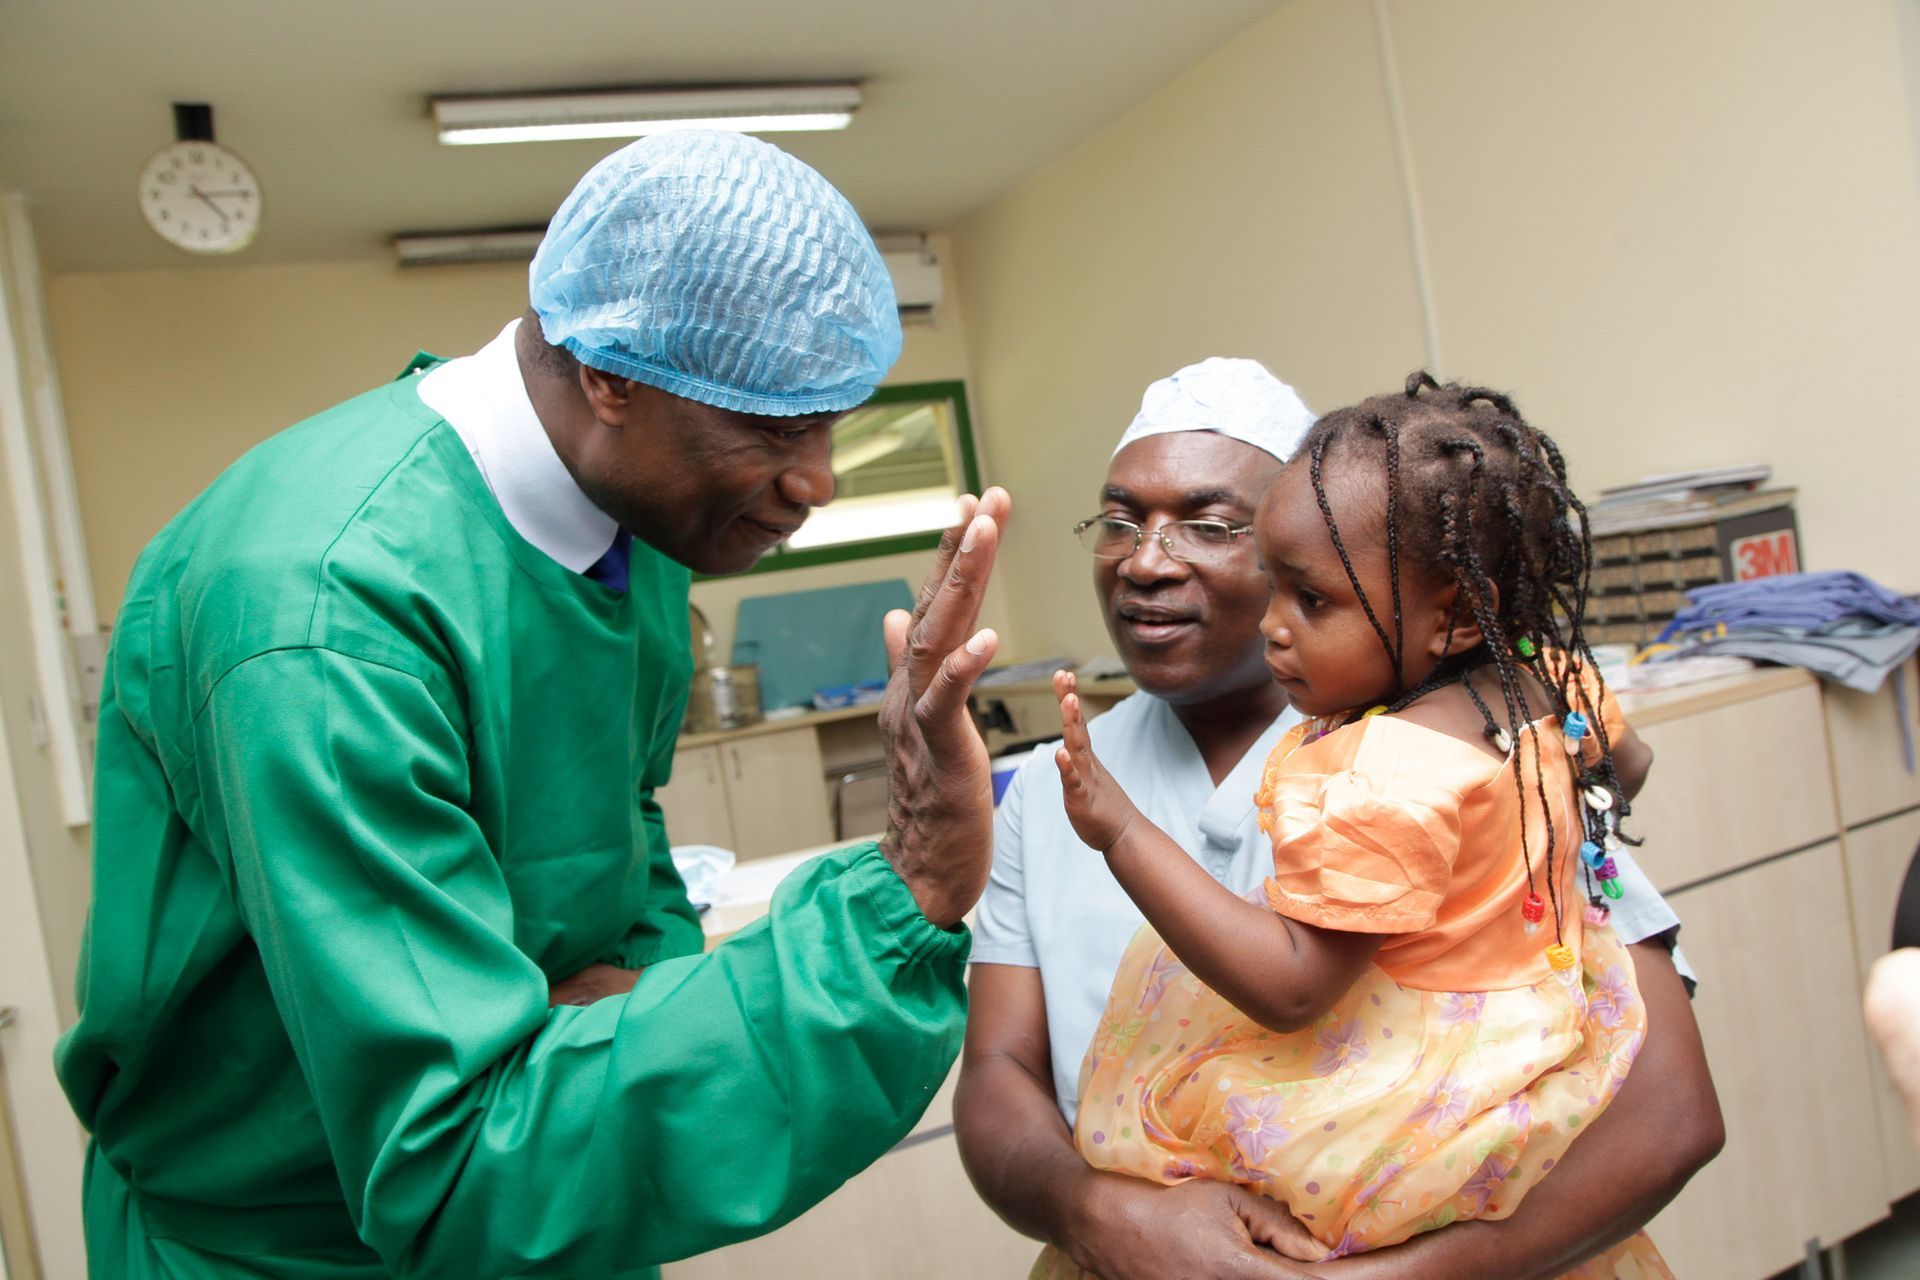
column 1098, row 808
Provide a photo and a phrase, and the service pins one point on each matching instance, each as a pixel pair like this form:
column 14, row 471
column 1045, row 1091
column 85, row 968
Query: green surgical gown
column 372, row 771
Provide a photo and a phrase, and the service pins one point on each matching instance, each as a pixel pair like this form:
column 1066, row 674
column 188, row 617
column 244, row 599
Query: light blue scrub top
column 1052, row 904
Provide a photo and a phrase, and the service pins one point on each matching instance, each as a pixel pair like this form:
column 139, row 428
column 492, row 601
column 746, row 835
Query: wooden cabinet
column 912, row 1214
column 776, row 792
column 1790, row 1059
column 1877, row 857
column 758, row 794
column 1746, row 779
column 1744, row 815
column 695, row 800
column 1869, row 763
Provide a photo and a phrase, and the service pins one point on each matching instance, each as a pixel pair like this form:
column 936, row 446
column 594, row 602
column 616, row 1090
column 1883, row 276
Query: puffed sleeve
column 1364, row 849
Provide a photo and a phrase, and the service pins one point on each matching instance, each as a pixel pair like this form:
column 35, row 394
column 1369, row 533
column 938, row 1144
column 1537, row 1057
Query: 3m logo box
column 1641, row 579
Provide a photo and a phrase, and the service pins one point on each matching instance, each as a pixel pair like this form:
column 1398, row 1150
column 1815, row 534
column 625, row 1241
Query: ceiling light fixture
column 549, row 117
column 448, row 248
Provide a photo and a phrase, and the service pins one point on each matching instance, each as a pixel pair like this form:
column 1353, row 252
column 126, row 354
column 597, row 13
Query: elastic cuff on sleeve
column 894, row 905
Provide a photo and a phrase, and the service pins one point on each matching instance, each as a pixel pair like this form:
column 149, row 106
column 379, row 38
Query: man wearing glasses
column 1179, row 581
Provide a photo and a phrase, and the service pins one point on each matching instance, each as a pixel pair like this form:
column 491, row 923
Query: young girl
column 1420, row 1015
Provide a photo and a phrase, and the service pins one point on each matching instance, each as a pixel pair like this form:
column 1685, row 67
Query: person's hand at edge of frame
column 939, row 787
column 1893, row 1019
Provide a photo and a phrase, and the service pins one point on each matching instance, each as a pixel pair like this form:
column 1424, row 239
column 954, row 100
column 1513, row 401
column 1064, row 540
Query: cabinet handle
column 734, row 755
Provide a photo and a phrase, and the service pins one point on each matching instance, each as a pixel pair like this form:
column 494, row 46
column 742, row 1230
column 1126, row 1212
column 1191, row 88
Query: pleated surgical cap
column 717, row 267
column 1237, row 398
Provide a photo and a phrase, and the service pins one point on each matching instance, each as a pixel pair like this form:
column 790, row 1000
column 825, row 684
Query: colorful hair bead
column 1573, row 729
column 1597, row 913
column 1374, row 711
column 1560, row 956
column 1607, row 870
column 1532, row 911
column 1612, row 889
column 1592, row 855
column 1525, row 647
column 1599, row 799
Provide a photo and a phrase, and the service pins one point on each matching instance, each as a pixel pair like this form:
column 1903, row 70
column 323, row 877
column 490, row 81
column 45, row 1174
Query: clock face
column 201, row 197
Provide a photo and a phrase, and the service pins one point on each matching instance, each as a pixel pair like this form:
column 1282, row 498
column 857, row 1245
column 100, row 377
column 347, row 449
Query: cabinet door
column 1877, row 857
column 1869, row 765
column 1734, row 785
column 1774, row 950
column 912, row 1214
column 776, row 793
column 695, row 800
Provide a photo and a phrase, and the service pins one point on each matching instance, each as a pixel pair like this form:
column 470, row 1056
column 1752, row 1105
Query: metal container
column 723, row 697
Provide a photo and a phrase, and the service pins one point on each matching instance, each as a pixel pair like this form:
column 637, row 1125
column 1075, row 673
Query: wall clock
column 201, row 197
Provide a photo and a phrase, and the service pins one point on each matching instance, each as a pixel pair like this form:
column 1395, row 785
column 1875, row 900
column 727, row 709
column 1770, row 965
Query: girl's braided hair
column 1478, row 497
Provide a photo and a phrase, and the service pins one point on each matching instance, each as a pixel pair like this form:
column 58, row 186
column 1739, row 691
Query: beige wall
column 170, row 375
column 1682, row 235
column 1250, row 207
column 1702, row 244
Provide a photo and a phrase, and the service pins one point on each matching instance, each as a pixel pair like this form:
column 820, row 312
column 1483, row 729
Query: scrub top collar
column 1226, row 813
column 484, row 399
column 1178, row 759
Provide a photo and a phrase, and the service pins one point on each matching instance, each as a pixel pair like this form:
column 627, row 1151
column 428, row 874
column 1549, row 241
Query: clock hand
column 207, row 200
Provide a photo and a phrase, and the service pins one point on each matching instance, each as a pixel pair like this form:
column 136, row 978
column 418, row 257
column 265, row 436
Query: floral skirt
column 1400, row 1111
column 1631, row 1259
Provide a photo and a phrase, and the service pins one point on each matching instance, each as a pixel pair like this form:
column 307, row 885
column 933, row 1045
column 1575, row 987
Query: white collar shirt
column 484, row 399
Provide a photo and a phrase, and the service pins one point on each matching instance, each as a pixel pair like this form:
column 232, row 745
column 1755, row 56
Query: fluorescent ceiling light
column 548, row 117
column 444, row 248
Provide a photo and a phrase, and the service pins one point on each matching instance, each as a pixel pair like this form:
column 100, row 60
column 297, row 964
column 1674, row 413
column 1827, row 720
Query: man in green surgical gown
column 383, row 720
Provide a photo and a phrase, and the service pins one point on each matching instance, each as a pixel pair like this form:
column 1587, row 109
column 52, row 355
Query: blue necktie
column 610, row 570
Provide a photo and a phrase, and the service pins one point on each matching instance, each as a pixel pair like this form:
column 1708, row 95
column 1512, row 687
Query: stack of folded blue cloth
column 1842, row 626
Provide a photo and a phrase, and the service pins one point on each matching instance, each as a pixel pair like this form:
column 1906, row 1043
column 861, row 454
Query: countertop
column 1653, row 707
column 778, row 724
column 1115, row 688
column 753, row 881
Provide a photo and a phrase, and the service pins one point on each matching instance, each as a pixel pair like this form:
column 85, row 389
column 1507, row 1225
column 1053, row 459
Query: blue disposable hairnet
column 717, row 267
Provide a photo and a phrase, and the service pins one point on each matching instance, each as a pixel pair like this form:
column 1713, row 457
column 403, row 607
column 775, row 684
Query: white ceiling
column 327, row 100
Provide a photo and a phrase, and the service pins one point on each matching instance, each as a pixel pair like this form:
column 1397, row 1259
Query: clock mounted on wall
column 198, row 195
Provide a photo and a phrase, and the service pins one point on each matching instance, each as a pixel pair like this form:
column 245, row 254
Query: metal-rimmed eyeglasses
column 1189, row 541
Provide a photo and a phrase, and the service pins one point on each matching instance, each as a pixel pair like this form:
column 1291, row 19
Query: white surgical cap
column 1236, row 398
column 719, row 268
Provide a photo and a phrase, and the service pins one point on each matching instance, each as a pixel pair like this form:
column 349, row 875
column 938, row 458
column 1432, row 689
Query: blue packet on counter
column 833, row 697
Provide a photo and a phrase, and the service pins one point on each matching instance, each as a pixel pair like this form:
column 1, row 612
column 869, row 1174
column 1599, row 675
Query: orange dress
column 1455, row 1072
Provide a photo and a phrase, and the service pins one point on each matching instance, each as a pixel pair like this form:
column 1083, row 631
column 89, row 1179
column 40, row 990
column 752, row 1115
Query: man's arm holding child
column 1660, row 1129
column 1020, row 1154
